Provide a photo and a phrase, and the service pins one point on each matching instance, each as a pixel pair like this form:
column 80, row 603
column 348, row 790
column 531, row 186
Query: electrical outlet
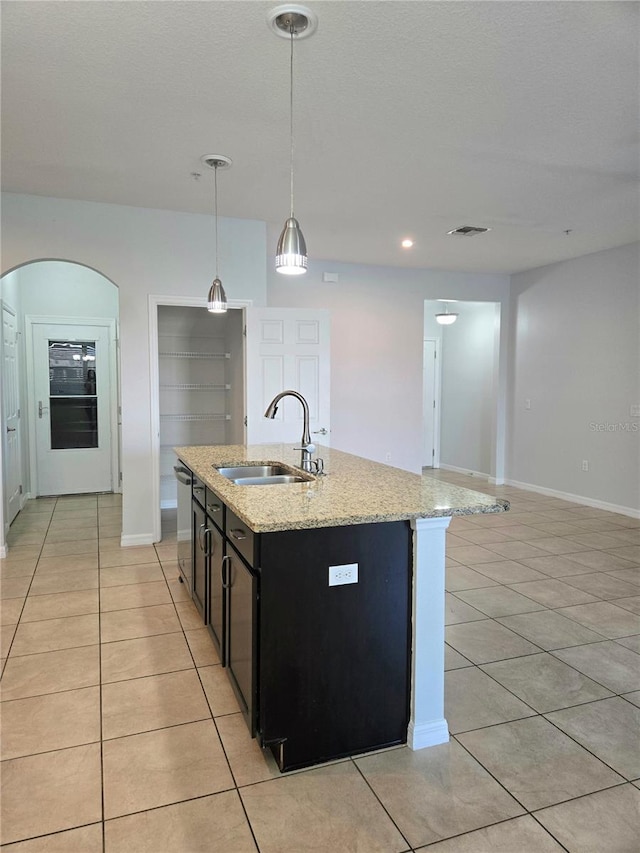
column 527, row 404
column 388, row 457
column 585, row 464
column 339, row 575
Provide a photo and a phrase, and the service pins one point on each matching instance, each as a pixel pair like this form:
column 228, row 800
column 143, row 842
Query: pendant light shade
column 291, row 253
column 446, row 318
column 217, row 301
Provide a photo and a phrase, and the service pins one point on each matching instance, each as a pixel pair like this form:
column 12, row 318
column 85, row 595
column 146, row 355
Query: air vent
column 468, row 231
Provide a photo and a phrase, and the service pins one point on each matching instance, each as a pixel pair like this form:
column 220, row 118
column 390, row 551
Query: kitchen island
column 395, row 523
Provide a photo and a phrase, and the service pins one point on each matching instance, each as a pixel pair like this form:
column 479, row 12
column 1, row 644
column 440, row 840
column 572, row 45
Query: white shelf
column 196, row 387
column 195, row 354
column 189, row 336
column 201, row 417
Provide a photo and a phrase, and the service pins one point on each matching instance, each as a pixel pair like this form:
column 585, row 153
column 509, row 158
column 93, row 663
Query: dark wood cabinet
column 242, row 619
column 320, row 671
column 200, row 546
column 334, row 660
column 217, row 609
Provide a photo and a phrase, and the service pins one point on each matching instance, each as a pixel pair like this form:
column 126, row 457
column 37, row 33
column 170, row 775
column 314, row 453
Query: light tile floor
column 121, row 733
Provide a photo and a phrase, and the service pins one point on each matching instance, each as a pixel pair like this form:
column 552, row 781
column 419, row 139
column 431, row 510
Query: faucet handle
column 310, row 448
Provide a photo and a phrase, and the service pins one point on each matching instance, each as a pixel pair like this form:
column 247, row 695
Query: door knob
column 11, row 429
column 321, row 431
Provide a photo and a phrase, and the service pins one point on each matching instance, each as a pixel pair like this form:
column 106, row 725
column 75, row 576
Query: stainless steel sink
column 263, row 475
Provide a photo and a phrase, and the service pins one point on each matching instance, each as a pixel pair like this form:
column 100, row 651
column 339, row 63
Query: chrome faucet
column 307, row 448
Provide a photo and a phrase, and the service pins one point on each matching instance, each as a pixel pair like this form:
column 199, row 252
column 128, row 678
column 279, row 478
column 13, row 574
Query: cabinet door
column 201, row 539
column 241, row 636
column 217, row 615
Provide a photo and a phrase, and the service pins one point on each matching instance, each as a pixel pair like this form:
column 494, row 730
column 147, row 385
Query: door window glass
column 73, row 400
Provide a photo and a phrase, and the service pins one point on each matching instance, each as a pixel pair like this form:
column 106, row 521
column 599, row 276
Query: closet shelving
column 200, row 384
column 195, row 355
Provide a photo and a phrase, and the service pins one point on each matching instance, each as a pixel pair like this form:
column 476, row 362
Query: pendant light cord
column 215, row 209
column 291, row 30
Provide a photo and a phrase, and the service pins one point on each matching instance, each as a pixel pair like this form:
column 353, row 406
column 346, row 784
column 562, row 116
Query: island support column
column 427, row 726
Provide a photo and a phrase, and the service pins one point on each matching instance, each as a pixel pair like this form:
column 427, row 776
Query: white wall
column 56, row 288
column 469, row 386
column 576, row 346
column 143, row 252
column 376, row 347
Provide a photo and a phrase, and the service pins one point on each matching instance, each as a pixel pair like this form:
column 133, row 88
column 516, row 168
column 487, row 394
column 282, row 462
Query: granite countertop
column 352, row 491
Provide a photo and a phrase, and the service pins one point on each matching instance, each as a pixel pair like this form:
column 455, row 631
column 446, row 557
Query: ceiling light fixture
column 217, row 301
column 292, row 22
column 446, row 318
column 468, row 231
column 407, row 243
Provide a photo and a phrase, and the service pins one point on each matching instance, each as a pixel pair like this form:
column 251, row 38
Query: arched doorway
column 60, row 383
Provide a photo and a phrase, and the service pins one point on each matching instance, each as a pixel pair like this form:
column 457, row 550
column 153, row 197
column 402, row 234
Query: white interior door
column 429, row 404
column 72, row 408
column 11, row 416
column 287, row 349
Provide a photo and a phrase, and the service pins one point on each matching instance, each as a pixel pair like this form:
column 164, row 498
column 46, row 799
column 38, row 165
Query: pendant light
column 217, row 301
column 446, row 318
column 292, row 21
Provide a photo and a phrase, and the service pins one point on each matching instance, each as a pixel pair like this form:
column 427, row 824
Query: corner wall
column 575, row 339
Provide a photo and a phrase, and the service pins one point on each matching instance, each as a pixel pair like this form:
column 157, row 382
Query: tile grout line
column 386, row 811
column 213, row 719
column 102, row 773
column 29, row 587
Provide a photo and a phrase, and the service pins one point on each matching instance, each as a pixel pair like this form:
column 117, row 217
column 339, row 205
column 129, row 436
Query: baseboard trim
column 3, row 552
column 577, row 499
column 130, row 540
column 469, row 471
column 427, row 734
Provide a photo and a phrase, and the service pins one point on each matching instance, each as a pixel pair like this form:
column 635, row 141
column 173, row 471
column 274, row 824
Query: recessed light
column 407, row 243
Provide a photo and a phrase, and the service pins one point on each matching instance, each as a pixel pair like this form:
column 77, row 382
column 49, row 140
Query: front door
column 11, row 415
column 72, row 408
column 287, row 349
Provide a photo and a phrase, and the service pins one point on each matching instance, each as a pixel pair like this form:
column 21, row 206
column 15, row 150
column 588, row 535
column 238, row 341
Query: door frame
column 3, row 454
column 154, row 302
column 500, row 379
column 437, row 393
column 111, row 324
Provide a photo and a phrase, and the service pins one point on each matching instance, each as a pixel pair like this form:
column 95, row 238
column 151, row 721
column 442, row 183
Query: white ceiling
column 412, row 118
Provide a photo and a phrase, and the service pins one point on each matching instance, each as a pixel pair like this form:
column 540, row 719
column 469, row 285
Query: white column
column 427, row 726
